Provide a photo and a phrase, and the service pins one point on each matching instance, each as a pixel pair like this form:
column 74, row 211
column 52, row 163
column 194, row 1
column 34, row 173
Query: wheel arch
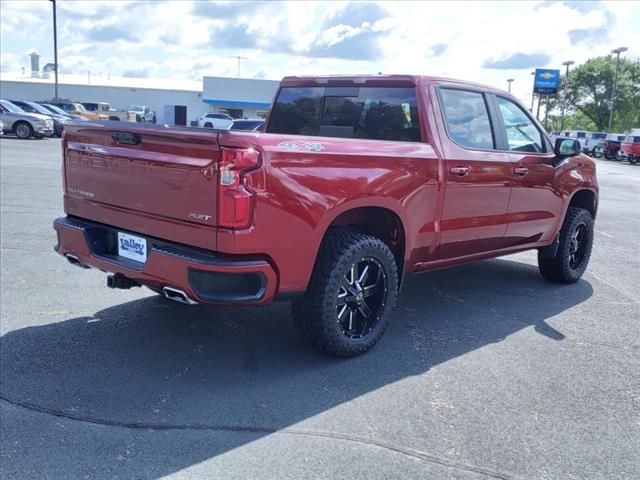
column 15, row 125
column 381, row 219
column 586, row 198
column 18, row 122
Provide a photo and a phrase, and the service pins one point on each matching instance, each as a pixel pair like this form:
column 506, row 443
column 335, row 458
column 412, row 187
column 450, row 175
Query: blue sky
column 483, row 41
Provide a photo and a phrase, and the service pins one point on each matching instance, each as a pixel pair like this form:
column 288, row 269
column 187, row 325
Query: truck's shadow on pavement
column 151, row 363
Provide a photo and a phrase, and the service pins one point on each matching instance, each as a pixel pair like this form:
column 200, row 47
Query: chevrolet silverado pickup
column 354, row 183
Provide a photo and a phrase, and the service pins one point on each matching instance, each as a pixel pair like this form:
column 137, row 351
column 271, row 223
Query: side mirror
column 567, row 147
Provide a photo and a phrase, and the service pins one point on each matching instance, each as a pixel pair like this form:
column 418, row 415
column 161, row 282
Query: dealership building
column 176, row 102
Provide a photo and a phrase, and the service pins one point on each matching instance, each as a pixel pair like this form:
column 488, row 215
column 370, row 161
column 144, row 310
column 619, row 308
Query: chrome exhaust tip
column 177, row 296
column 73, row 260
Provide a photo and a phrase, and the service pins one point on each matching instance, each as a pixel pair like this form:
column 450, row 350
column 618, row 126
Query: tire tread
column 556, row 269
column 313, row 313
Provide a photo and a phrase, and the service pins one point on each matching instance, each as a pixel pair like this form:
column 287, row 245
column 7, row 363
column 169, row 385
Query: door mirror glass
column 566, row 147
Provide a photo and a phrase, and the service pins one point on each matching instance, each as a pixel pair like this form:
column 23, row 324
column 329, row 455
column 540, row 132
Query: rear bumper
column 203, row 276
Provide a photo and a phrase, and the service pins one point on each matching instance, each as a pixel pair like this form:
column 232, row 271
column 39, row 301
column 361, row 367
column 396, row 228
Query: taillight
column 235, row 201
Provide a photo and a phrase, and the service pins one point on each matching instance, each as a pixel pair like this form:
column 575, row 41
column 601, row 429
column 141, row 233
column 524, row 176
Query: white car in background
column 221, row 121
column 592, row 141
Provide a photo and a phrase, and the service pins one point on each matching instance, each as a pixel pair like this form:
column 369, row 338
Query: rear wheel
column 208, row 125
column 609, row 155
column 633, row 159
column 23, row 130
column 574, row 248
column 352, row 292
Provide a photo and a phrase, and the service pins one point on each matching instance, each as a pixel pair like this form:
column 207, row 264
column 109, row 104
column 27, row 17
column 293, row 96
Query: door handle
column 459, row 171
column 522, row 171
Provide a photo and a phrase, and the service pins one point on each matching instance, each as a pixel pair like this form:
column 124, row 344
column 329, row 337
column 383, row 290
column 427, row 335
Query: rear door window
column 373, row 113
column 467, row 118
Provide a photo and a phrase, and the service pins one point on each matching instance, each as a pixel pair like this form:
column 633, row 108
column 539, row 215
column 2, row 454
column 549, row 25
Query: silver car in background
column 22, row 124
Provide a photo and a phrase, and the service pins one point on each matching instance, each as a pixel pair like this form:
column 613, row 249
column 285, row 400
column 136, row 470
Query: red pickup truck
column 355, row 183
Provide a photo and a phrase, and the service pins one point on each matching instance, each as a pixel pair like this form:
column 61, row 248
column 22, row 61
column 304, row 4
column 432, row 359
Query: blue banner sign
column 546, row 81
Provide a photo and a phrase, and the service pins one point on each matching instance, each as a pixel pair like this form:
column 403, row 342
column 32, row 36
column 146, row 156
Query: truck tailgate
column 165, row 173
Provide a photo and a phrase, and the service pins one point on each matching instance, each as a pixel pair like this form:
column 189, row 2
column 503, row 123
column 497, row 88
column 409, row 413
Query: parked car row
column 588, row 140
column 27, row 119
column 24, row 124
column 612, row 146
column 224, row 121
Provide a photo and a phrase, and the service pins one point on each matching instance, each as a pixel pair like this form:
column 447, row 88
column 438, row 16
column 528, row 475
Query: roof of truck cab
column 397, row 80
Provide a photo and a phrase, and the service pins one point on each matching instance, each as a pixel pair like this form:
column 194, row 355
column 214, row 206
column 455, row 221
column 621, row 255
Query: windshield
column 11, row 107
column 136, row 108
column 38, row 108
column 55, row 109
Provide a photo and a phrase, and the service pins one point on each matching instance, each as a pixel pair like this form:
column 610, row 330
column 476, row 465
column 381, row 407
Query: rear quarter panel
column 306, row 182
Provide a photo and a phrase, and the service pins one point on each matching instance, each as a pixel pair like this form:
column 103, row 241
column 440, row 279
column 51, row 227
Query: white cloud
column 171, row 41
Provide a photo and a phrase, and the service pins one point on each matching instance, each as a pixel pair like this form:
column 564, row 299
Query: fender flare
column 391, row 204
column 579, row 188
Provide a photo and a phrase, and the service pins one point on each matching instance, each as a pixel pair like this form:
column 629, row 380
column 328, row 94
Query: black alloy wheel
column 575, row 242
column 353, row 288
column 361, row 297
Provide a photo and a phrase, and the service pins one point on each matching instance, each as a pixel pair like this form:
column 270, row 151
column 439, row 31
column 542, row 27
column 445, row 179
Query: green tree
column 590, row 89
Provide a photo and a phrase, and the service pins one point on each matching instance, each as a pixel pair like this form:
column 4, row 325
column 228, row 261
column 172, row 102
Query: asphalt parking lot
column 486, row 372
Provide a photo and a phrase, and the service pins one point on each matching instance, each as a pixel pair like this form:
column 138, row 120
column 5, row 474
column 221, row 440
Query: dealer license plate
column 132, row 247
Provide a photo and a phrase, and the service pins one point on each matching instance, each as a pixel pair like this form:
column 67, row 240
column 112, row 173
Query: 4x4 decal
column 311, row 147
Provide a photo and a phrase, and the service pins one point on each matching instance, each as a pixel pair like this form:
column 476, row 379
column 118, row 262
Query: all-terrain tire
column 574, row 248
column 315, row 314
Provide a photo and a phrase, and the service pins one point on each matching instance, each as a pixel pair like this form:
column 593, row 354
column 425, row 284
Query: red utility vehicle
column 630, row 149
column 356, row 182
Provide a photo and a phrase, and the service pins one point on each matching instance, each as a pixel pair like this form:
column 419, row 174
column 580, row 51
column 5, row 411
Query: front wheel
column 597, row 152
column 633, row 159
column 574, row 248
column 23, row 130
column 352, row 291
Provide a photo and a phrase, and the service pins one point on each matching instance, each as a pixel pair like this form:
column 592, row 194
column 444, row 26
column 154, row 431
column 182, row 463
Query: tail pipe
column 177, row 296
column 73, row 260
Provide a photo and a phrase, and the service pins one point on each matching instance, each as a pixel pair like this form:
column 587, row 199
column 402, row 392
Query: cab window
column 521, row 133
column 467, row 118
column 373, row 113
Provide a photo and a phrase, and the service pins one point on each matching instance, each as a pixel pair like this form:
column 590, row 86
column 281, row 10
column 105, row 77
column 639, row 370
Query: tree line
column 589, row 92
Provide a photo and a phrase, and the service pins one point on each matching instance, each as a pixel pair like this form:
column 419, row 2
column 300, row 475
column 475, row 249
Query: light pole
column 55, row 49
column 533, row 93
column 617, row 51
column 509, row 80
column 566, row 88
column 239, row 60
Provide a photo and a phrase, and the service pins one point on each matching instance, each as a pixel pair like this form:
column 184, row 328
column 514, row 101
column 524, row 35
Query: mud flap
column 551, row 250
